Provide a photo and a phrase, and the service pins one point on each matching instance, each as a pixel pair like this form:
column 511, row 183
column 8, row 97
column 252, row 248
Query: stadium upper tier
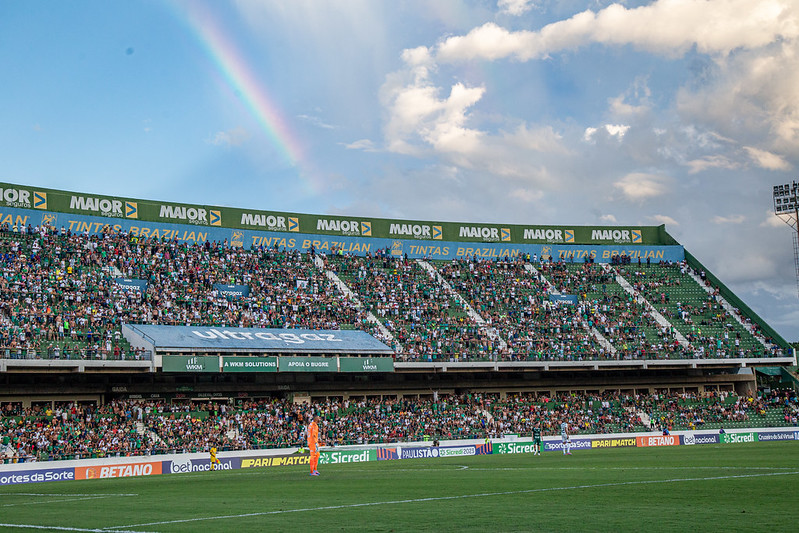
column 66, row 295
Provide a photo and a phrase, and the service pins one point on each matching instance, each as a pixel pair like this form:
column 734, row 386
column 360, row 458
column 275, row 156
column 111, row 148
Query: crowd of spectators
column 59, row 299
column 142, row 427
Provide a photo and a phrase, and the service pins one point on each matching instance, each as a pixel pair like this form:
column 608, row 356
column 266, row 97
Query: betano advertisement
column 83, row 213
column 179, row 464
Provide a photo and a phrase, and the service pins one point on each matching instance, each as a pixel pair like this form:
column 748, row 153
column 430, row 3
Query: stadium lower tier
column 83, row 429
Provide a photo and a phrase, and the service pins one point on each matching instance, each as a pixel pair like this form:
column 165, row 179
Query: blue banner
column 564, row 298
column 255, row 340
column 232, row 291
column 130, row 284
column 37, row 475
column 185, row 465
column 778, row 435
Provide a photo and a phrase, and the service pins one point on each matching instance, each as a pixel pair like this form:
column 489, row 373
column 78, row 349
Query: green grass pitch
column 733, row 487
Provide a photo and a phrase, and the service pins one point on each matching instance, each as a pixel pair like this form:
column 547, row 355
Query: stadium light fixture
column 786, row 207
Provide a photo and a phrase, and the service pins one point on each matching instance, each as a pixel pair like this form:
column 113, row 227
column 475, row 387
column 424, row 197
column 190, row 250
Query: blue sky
column 683, row 112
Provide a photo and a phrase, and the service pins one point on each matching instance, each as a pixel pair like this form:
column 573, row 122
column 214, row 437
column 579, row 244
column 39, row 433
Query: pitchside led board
column 22, row 205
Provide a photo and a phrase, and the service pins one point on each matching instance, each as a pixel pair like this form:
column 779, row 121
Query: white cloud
column 610, row 219
column 515, row 7
column 362, row 144
column 235, row 137
column 732, row 219
column 526, row 195
column 710, row 161
column 640, row 93
column 774, row 221
column 663, row 219
column 766, row 159
column 641, row 186
column 669, row 27
column 316, row 121
column 614, row 130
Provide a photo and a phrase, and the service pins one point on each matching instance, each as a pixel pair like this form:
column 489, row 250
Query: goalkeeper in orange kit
column 313, row 444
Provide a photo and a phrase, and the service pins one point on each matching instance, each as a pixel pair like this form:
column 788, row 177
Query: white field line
column 62, row 528
column 63, row 494
column 39, row 502
column 117, row 529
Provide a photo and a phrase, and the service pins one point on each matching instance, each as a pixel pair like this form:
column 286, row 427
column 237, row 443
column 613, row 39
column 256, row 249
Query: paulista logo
column 49, row 219
column 237, row 239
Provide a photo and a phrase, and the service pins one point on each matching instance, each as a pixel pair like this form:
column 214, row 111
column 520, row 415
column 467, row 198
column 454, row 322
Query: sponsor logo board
column 37, row 476
column 577, row 444
column 123, row 470
column 182, row 466
column 658, row 440
column 275, row 460
column 340, row 457
column 614, row 443
column 776, row 435
column 735, row 438
column 514, row 447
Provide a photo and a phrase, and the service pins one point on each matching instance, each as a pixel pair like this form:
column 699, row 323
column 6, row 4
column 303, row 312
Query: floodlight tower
column 786, row 207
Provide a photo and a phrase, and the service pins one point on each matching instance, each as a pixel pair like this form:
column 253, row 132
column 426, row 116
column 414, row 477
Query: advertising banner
column 123, row 470
column 37, row 475
column 434, row 452
column 658, row 440
column 346, row 456
column 689, row 439
column 182, row 363
column 776, row 435
column 117, row 210
column 627, row 442
column 276, row 460
column 577, row 444
column 182, row 466
column 307, row 364
column 428, row 452
column 251, row 340
column 366, row 364
column 130, row 284
column 387, row 454
column 232, row 291
column 249, row 364
column 514, row 447
column 564, row 298
column 735, row 438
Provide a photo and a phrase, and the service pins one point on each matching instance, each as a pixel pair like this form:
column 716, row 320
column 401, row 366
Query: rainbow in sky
column 234, row 68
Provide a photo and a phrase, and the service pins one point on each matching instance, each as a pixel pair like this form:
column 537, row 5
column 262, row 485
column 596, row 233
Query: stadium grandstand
column 131, row 326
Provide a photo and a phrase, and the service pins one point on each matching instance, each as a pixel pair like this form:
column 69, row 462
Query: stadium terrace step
column 603, row 342
column 474, row 315
column 386, row 334
column 659, row 318
column 728, row 307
